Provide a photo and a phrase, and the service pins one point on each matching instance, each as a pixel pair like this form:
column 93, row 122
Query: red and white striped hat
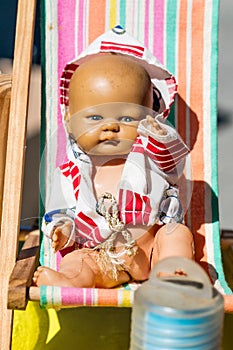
column 118, row 41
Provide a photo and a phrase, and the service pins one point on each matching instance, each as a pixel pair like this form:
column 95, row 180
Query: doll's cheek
column 128, row 132
column 83, row 143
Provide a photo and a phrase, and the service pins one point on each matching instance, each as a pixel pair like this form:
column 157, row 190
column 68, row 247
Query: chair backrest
column 183, row 36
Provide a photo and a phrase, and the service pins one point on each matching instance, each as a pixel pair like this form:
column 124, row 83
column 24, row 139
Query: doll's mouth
column 111, row 142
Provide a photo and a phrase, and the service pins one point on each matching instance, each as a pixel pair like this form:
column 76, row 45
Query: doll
column 118, row 201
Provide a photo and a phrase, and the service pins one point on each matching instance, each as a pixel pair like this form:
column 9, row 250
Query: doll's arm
column 155, row 127
column 164, row 146
column 58, row 221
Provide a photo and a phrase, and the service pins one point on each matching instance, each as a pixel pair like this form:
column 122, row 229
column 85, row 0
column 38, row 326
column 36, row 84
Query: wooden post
column 12, row 193
column 5, row 95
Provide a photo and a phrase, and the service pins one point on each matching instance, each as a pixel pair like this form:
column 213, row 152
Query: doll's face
column 106, row 99
column 107, row 129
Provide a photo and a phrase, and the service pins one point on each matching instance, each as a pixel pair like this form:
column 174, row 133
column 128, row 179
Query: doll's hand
column 154, row 126
column 60, row 236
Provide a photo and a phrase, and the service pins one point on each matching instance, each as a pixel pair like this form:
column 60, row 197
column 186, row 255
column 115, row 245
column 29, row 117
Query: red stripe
column 128, row 206
column 104, row 48
column 64, row 101
column 65, row 82
column 138, row 141
column 146, row 200
column 138, row 208
column 138, row 202
column 141, row 48
column 65, row 169
column 64, row 166
column 146, row 217
column 137, row 146
column 72, row 66
column 138, row 217
column 94, row 227
column 82, row 225
column 171, row 83
column 134, row 208
column 138, row 149
column 171, row 89
column 65, row 85
column 129, row 200
column 165, row 155
column 163, row 145
column 74, row 170
column 177, row 147
column 147, row 210
column 128, row 217
column 76, row 182
column 66, row 173
column 66, row 76
column 167, row 166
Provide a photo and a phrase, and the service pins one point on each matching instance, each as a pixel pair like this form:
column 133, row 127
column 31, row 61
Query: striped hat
column 118, row 41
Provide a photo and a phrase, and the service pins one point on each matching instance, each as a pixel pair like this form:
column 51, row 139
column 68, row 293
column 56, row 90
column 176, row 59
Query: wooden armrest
column 21, row 276
column 226, row 234
column 227, row 256
column 226, row 238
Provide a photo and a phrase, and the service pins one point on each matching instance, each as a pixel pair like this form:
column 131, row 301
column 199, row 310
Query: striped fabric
column 71, row 170
column 166, row 157
column 182, row 34
column 73, row 297
column 135, row 50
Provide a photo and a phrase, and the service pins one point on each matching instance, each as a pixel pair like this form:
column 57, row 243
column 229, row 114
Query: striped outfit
column 147, row 190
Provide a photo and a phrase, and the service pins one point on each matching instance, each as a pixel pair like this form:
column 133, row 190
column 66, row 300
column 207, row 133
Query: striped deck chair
column 183, row 36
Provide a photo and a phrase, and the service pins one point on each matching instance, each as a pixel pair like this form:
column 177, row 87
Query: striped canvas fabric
column 182, row 34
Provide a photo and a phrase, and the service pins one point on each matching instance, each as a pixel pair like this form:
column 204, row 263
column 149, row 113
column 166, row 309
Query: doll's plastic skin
column 105, row 79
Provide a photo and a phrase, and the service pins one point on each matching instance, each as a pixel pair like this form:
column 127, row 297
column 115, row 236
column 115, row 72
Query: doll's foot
column 48, row 277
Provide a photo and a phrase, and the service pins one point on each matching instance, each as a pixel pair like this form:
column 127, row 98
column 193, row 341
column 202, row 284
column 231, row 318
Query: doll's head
column 105, row 95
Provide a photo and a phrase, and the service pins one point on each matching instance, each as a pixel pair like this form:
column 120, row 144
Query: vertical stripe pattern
column 183, row 35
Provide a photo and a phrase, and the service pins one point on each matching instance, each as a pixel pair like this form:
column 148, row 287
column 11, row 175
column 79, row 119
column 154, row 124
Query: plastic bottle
column 176, row 309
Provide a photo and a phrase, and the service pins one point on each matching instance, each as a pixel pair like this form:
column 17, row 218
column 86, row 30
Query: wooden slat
column 13, row 179
column 22, row 274
column 5, row 95
column 227, row 255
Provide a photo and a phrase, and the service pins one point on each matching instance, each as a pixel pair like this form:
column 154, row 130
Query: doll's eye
column 95, row 117
column 127, row 119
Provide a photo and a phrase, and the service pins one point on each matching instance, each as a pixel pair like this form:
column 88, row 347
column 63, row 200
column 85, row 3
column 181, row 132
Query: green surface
column 96, row 328
column 83, row 328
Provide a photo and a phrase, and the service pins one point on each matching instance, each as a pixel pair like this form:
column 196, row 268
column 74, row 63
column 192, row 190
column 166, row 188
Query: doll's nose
column 108, row 131
column 114, row 127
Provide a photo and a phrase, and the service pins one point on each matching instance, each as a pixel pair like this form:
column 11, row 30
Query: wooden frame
column 13, row 174
column 21, row 276
column 5, row 97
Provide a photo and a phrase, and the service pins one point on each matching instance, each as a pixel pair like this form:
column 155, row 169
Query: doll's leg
column 172, row 240
column 78, row 269
column 72, row 266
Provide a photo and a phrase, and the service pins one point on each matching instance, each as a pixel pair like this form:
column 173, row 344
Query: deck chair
column 182, row 35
